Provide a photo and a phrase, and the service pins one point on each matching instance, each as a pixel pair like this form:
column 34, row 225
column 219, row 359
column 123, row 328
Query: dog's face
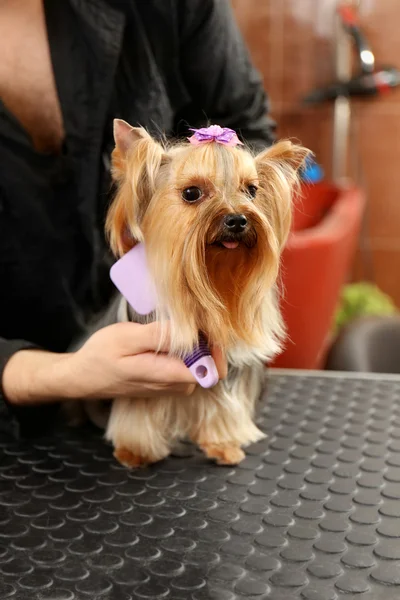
column 214, row 220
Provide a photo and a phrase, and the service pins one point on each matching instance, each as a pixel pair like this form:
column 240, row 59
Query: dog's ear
column 125, row 137
column 278, row 170
column 286, row 153
column 136, row 161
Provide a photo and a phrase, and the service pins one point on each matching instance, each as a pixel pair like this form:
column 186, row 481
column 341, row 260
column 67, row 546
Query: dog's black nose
column 235, row 223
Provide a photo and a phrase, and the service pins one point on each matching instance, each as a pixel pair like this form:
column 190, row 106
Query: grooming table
column 313, row 512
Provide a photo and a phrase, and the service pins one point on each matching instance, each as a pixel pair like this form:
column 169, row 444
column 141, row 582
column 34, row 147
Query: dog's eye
column 252, row 190
column 192, row 194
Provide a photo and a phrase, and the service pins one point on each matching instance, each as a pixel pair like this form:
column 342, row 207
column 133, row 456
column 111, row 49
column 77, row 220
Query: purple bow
column 214, row 133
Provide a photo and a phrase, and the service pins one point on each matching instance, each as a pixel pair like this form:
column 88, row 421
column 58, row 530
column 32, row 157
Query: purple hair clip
column 214, row 133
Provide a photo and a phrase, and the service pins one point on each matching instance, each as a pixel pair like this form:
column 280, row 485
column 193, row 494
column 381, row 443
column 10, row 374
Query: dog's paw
column 224, row 454
column 129, row 459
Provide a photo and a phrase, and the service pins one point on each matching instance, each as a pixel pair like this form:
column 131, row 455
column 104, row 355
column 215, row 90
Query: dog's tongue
column 230, row 245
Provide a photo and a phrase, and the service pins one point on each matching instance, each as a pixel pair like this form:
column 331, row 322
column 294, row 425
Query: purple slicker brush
column 131, row 277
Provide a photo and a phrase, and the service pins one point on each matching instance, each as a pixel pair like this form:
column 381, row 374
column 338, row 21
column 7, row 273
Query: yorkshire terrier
column 214, row 219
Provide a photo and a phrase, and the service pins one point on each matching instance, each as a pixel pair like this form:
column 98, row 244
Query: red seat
column 315, row 265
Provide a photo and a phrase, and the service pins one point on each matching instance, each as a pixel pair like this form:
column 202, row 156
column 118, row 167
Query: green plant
column 362, row 299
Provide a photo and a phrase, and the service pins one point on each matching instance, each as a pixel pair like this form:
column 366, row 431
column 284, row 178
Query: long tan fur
column 229, row 294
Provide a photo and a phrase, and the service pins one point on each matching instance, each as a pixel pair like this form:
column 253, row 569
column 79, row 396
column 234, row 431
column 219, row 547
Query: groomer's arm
column 117, row 361
column 31, row 376
column 217, row 70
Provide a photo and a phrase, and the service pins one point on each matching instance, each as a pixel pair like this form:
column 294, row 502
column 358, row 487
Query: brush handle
column 201, row 364
column 131, row 277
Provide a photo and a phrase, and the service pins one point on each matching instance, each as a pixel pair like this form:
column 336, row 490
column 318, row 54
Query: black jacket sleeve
column 21, row 421
column 223, row 84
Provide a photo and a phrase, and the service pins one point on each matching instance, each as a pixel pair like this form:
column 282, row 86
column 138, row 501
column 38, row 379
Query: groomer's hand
column 117, row 361
column 121, row 360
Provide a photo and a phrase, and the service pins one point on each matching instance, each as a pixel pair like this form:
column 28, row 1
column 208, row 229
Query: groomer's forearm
column 37, row 377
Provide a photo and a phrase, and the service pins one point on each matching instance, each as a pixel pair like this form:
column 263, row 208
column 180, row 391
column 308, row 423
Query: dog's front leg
column 222, row 434
column 138, row 429
column 225, row 417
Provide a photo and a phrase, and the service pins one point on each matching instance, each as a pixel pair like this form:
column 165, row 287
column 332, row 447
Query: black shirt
column 163, row 64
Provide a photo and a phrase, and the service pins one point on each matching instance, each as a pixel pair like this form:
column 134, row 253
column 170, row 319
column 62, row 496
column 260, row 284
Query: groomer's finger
column 157, row 334
column 178, row 390
column 158, row 369
column 134, row 338
column 220, row 361
column 154, row 337
column 153, row 334
column 190, row 389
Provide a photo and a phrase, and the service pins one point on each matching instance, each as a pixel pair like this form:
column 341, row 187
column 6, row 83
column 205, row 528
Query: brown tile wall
column 292, row 44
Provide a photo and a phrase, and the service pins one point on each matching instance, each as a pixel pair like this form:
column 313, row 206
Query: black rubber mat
column 312, row 513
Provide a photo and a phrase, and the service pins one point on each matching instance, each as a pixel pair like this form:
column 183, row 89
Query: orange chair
column 315, row 265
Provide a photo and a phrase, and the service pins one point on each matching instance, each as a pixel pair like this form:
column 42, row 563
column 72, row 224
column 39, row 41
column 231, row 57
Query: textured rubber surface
column 312, row 513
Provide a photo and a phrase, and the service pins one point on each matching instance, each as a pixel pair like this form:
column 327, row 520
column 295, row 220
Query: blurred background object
column 331, row 71
column 359, row 300
column 367, row 344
